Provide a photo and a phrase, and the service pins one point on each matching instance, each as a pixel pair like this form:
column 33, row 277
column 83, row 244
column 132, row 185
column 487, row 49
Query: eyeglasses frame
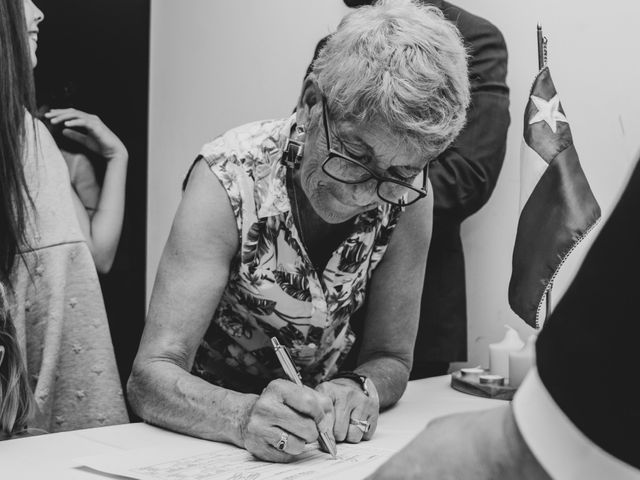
column 331, row 153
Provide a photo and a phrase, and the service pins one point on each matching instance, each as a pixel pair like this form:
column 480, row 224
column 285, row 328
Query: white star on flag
column 548, row 111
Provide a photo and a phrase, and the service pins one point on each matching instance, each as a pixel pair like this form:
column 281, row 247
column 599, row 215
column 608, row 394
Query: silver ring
column 282, row 443
column 363, row 425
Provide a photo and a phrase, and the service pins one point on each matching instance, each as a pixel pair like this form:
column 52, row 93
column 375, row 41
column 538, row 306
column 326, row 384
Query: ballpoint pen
column 292, row 373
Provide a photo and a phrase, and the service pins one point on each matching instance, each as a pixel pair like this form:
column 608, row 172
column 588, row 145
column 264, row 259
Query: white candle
column 472, row 373
column 521, row 361
column 491, row 380
column 499, row 353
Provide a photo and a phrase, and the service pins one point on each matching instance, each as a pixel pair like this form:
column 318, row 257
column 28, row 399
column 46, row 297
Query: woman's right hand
column 98, row 137
column 286, row 411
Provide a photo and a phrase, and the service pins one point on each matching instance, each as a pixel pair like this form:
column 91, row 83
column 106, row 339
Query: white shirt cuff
column 562, row 450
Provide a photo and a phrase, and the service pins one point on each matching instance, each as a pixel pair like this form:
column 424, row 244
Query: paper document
column 218, row 461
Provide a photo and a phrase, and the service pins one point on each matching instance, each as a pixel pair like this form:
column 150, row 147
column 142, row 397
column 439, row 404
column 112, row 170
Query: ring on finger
column 363, row 425
column 282, row 443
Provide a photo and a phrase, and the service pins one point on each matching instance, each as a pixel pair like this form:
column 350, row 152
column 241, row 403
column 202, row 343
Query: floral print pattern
column 273, row 288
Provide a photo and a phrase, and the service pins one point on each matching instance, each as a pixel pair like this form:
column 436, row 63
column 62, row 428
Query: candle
column 491, row 380
column 521, row 361
column 472, row 373
column 499, row 353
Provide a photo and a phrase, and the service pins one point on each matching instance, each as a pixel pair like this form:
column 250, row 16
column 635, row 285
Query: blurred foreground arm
column 476, row 445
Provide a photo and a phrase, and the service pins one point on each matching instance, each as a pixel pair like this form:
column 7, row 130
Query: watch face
column 365, row 385
column 361, row 380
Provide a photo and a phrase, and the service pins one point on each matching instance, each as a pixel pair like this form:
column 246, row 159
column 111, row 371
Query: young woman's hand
column 101, row 228
column 88, row 130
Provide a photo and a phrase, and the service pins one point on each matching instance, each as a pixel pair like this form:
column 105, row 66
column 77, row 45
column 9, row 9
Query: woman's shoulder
column 33, row 125
column 40, row 150
column 248, row 145
column 246, row 161
column 49, row 186
column 39, row 143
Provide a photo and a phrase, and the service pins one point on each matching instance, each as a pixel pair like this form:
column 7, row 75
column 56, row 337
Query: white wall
column 594, row 58
column 218, row 64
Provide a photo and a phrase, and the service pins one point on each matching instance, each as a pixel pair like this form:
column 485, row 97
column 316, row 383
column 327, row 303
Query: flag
column 558, row 208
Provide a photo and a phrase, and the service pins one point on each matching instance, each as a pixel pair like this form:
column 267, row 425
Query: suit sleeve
column 464, row 176
column 587, row 351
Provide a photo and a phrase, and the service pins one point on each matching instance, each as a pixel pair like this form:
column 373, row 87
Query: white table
column 51, row 456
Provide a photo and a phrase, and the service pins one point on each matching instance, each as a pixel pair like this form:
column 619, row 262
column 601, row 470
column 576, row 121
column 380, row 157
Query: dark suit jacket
column 587, row 352
column 463, row 178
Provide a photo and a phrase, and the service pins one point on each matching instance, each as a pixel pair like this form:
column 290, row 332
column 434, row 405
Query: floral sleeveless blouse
column 273, row 288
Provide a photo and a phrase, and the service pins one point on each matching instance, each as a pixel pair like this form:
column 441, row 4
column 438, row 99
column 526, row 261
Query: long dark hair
column 17, row 97
column 17, row 404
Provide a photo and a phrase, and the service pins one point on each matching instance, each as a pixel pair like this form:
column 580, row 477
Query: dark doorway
column 93, row 55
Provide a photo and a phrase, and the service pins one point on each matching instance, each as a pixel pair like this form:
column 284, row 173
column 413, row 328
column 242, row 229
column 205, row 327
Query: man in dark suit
column 463, row 178
column 577, row 415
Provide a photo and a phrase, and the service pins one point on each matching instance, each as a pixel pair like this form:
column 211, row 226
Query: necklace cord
column 297, row 218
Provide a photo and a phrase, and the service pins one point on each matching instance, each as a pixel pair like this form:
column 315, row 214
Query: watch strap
column 356, row 377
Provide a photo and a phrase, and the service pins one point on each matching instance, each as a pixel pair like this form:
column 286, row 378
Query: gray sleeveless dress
column 57, row 304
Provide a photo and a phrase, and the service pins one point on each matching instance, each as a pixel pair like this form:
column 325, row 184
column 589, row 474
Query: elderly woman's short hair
column 401, row 63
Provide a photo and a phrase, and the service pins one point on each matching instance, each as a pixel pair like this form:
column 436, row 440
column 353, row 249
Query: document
column 218, row 461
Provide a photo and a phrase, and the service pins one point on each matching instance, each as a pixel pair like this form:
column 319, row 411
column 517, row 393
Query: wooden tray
column 471, row 385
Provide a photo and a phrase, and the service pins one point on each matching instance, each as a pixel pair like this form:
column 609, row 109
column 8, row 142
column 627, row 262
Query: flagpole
column 540, row 42
column 542, row 48
column 542, row 62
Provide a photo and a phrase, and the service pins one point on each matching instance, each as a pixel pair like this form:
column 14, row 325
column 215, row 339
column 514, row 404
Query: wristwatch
column 356, row 377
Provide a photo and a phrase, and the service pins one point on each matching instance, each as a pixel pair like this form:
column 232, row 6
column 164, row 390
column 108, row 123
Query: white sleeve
column 560, row 447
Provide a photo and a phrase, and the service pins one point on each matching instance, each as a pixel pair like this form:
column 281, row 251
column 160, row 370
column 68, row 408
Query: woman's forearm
column 164, row 394
column 393, row 305
column 389, row 375
column 106, row 222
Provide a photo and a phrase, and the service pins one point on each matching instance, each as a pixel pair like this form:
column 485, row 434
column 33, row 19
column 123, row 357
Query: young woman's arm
column 102, row 229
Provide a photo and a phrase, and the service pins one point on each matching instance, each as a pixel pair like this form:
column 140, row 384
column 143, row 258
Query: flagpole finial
column 542, row 47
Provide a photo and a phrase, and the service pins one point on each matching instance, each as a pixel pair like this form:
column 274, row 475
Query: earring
column 300, row 130
column 294, row 149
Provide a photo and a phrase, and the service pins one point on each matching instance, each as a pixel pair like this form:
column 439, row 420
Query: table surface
column 52, row 456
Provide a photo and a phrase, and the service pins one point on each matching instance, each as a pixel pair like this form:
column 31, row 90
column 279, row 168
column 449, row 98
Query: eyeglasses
column 347, row 170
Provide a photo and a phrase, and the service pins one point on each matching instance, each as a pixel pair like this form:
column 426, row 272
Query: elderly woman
column 287, row 227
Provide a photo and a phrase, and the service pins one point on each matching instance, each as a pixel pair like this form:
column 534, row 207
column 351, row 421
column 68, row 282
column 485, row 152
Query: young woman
column 100, row 209
column 53, row 294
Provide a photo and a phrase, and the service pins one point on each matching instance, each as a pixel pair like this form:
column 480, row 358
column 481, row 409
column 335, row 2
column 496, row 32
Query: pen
column 292, row 373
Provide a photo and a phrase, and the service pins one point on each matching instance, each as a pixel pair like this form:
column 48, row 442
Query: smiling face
column 373, row 144
column 33, row 16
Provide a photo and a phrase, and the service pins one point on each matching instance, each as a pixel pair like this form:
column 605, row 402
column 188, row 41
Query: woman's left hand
column 356, row 414
column 88, row 130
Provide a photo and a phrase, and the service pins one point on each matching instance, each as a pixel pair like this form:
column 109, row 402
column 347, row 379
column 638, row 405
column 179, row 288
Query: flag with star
column 558, row 208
